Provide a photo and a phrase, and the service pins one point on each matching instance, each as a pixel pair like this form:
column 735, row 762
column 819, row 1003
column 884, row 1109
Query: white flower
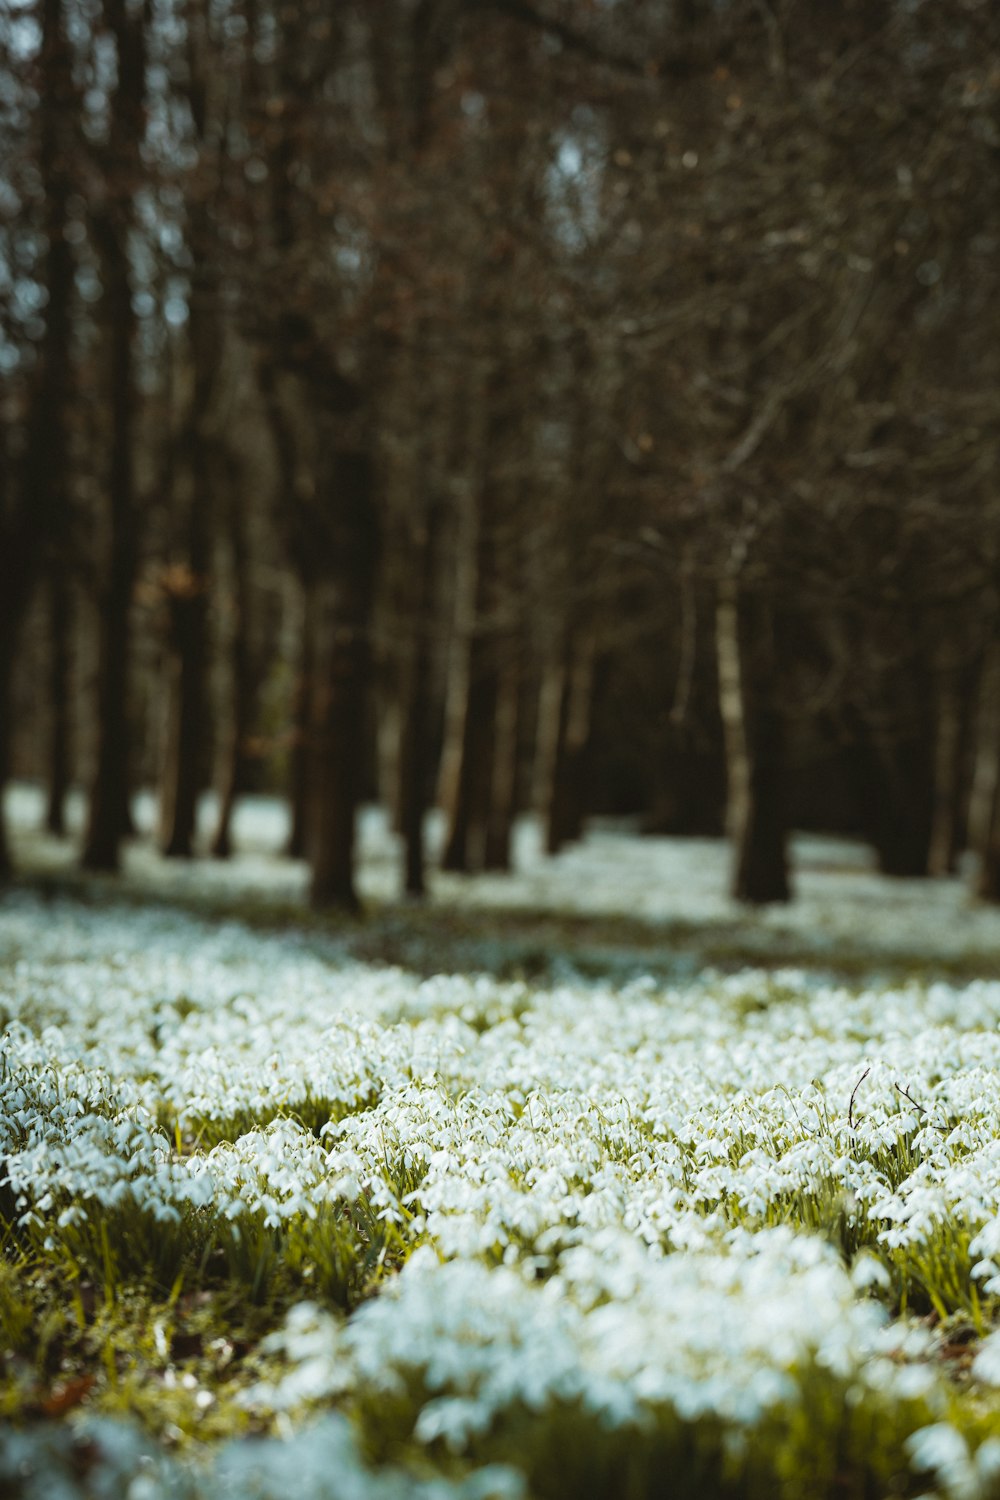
column 986, row 1365
column 943, row 1451
column 868, row 1273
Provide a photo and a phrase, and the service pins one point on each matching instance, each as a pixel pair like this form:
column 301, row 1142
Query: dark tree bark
column 984, row 808
column 988, row 881
column 6, row 665
column 558, row 792
column 54, row 467
column 415, row 761
column 566, row 790
column 473, row 715
column 205, row 467
column 503, row 788
column 452, row 793
column 106, row 823
column 102, row 848
column 299, row 757
column 894, row 786
column 346, row 605
column 60, row 720
column 305, row 551
column 909, row 757
column 688, row 793
column 761, row 868
column 34, row 502
column 8, row 620
column 549, row 727
column 904, row 841
column 187, row 588
column 948, row 750
column 484, row 695
column 187, row 606
column 236, row 765
column 756, row 812
column 466, row 845
column 566, row 687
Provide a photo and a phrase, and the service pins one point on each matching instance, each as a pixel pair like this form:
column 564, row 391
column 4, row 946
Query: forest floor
column 578, row 1181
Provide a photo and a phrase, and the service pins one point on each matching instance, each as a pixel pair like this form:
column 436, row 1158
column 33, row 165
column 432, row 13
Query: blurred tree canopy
column 581, row 406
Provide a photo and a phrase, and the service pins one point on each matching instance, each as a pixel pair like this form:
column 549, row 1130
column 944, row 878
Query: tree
column 580, row 396
column 35, row 498
column 112, row 221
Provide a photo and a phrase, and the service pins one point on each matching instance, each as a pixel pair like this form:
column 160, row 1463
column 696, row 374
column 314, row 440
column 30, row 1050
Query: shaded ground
column 615, row 905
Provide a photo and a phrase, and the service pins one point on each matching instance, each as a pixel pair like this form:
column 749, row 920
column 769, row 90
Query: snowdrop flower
column 986, row 1365
column 583, row 1173
column 943, row 1451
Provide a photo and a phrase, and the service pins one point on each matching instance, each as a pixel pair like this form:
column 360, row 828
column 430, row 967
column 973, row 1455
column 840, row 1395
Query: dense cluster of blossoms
column 627, row 1199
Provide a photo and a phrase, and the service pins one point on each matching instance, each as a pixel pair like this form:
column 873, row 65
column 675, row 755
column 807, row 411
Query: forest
column 499, row 750
column 579, row 408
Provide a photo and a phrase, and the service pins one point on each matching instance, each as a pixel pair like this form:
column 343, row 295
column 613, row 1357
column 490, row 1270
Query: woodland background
column 590, row 406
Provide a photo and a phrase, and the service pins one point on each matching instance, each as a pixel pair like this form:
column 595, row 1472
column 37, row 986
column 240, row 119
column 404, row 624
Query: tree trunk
column 305, row 553
column 182, row 776
column 188, row 593
column 473, row 726
column 756, row 815
column 451, row 795
column 102, row 847
column 389, row 733
column 483, row 750
column 34, row 502
column 241, row 679
column 689, row 790
column 6, row 671
column 577, row 743
column 688, row 794
column 988, row 882
column 415, row 763
column 891, row 763
column 465, row 845
column 903, row 796
column 550, row 727
column 53, row 464
column 9, row 614
column 503, row 788
column 188, row 636
column 558, row 790
column 302, row 714
column 565, row 709
column 346, row 606
column 60, row 726
column 944, row 841
column 984, row 804
column 109, row 791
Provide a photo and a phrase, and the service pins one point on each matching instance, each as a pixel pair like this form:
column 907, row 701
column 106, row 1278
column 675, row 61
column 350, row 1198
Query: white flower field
column 283, row 1222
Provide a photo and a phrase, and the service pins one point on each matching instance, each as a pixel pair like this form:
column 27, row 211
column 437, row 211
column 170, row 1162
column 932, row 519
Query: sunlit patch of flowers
column 727, row 1333
column 719, row 1206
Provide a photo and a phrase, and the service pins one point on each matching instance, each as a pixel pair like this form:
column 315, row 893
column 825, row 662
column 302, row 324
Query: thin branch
column 907, row 1095
column 850, row 1107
